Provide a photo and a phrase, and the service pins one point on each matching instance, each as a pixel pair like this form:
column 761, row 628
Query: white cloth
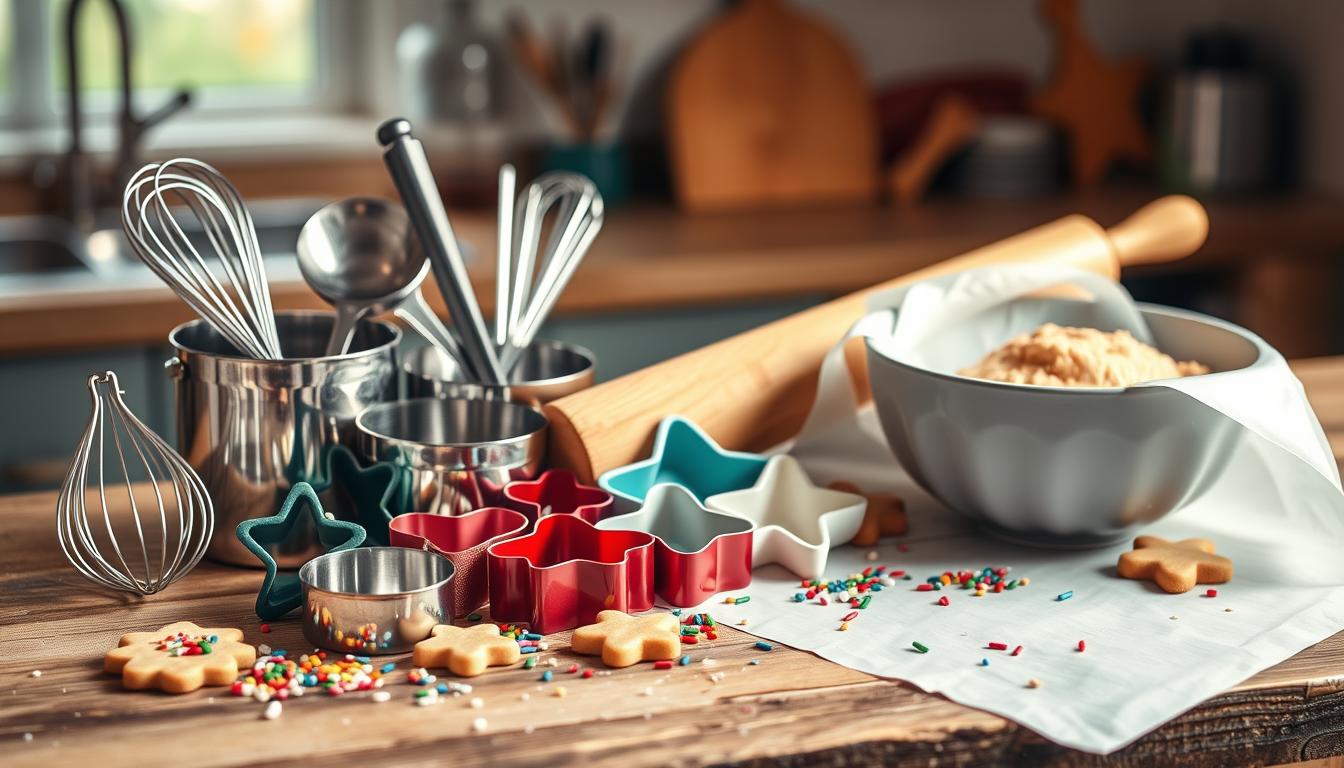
column 1278, row 513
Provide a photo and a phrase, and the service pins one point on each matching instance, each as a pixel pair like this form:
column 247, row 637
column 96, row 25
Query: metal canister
column 548, row 370
column 252, row 428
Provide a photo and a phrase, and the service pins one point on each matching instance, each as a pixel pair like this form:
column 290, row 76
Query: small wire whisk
column 161, row 531
column 534, row 288
column 246, row 318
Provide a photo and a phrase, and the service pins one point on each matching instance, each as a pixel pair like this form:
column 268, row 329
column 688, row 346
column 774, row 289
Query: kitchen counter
column 794, row 707
column 654, row 258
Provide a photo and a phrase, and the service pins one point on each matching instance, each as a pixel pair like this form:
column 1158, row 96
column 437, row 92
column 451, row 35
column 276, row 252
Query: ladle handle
column 419, row 316
column 343, row 332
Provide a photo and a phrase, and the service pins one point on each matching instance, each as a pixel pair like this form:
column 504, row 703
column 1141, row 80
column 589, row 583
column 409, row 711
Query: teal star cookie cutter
column 685, row 455
column 281, row 592
column 372, row 492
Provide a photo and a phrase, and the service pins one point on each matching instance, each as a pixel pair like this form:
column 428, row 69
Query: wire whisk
column 126, row 547
column 527, row 290
column 245, row 317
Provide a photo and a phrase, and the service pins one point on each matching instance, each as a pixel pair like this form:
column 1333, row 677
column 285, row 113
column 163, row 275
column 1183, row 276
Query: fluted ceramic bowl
column 1063, row 466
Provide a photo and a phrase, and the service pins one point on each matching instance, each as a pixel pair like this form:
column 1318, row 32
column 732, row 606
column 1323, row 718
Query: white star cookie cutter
column 797, row 522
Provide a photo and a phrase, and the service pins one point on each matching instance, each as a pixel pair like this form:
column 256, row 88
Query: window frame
column 36, row 100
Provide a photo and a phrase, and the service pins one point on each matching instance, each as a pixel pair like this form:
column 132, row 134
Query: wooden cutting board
column 767, row 106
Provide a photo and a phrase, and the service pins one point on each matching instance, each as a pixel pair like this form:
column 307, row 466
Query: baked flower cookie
column 622, row 639
column 1175, row 566
column 466, row 652
column 179, row 658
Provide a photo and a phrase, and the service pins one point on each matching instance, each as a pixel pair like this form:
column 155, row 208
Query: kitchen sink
column 38, row 245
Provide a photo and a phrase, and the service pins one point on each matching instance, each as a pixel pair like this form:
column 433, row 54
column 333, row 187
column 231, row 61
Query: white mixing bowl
column 1060, row 466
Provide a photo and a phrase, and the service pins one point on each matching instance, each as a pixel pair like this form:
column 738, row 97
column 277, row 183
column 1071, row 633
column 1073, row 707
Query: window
column 205, row 44
column 234, row 55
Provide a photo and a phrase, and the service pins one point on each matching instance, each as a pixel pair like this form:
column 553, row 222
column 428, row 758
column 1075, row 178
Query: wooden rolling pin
column 753, row 390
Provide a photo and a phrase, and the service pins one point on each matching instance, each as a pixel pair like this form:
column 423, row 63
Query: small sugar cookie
column 622, row 639
column 1174, row 566
column 465, row 652
column 884, row 515
column 180, row 657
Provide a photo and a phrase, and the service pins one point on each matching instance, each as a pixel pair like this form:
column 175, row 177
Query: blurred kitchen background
column 756, row 157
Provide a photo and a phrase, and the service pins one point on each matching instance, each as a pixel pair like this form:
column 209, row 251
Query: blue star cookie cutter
column 281, row 592
column 684, row 455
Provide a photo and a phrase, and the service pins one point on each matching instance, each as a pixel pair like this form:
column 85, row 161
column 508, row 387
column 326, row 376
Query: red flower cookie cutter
column 697, row 552
column 462, row 539
column 558, row 492
column 566, row 571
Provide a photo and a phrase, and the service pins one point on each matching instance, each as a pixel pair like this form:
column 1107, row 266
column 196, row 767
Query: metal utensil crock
column 252, row 428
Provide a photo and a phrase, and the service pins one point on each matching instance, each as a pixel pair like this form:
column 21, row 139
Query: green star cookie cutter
column 371, row 492
column 281, row 592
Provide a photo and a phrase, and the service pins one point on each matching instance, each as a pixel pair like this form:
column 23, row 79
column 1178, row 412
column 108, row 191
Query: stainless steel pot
column 252, row 428
column 455, row 455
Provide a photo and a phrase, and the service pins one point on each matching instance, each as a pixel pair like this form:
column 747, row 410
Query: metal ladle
column 361, row 256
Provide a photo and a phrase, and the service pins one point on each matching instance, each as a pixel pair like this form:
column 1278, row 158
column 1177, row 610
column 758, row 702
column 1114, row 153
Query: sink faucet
column 82, row 196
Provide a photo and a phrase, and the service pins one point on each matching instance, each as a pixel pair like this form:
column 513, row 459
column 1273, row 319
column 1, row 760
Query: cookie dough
column 1057, row 356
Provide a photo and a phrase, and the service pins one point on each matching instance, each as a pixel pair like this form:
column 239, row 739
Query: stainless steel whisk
column 164, row 246
column 526, row 290
column 135, row 552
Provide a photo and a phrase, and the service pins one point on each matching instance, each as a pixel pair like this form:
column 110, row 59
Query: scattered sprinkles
column 1082, row 646
column 1211, row 593
column 276, row 676
column 764, row 646
column 1062, row 596
column 1033, row 683
column 918, row 646
column 272, row 711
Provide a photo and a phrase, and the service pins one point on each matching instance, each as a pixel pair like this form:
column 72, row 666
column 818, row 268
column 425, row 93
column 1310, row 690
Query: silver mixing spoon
column 361, row 256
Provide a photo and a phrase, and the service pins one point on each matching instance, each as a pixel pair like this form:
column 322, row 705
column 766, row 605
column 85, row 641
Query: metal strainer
column 117, row 545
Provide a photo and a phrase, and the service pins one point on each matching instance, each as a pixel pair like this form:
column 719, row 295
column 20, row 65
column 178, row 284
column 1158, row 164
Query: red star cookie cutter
column 563, row 573
column 462, row 539
column 697, row 552
column 558, row 492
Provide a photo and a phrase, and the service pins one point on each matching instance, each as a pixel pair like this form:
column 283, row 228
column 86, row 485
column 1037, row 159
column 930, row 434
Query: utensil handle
column 419, row 316
column 410, row 171
column 752, row 391
column 343, row 331
column 1166, row 229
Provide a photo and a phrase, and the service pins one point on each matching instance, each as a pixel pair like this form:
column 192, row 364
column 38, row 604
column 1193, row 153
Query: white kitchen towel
column 1277, row 512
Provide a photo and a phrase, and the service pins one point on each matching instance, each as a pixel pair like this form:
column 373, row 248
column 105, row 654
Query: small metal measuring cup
column 375, row 600
column 455, row 455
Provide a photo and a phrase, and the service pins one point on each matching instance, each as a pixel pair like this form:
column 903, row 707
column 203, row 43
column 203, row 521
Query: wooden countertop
column 653, row 257
column 794, row 707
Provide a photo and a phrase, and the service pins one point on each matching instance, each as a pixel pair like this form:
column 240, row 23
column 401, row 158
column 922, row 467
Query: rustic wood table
column 793, row 708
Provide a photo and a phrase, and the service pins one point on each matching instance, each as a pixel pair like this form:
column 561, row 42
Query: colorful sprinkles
column 186, row 645
column 280, row 677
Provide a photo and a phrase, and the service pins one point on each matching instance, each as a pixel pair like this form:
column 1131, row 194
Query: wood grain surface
column 792, row 709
